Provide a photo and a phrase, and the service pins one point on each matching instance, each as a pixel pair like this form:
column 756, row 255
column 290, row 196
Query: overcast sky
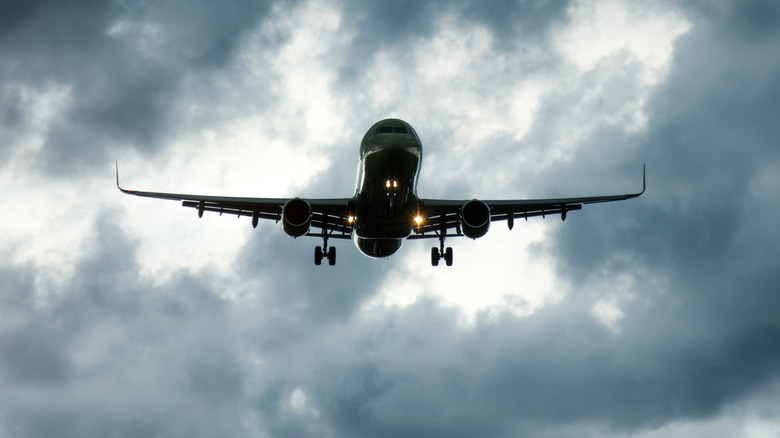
column 130, row 317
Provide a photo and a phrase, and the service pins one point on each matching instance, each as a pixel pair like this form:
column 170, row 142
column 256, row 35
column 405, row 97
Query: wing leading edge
column 440, row 215
column 330, row 216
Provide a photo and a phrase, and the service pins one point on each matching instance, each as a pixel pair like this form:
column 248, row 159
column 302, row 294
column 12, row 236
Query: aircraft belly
column 381, row 237
column 377, row 247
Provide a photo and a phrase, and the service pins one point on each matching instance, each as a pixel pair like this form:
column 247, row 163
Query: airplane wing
column 329, row 216
column 440, row 215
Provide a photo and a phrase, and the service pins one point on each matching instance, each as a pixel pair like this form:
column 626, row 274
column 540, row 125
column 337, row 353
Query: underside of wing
column 300, row 217
column 471, row 218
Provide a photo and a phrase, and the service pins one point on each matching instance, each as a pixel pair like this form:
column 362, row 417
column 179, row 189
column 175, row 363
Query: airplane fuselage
column 386, row 201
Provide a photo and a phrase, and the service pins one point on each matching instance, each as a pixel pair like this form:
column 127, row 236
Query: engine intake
column 296, row 217
column 474, row 219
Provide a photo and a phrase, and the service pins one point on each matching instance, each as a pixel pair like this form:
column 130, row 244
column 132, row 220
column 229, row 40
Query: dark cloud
column 299, row 301
column 119, row 93
column 416, row 373
column 516, row 20
column 754, row 18
column 109, row 337
column 708, row 140
column 279, row 348
column 399, row 26
column 386, row 24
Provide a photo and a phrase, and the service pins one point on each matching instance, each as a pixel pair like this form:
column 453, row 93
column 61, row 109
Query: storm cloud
column 129, row 317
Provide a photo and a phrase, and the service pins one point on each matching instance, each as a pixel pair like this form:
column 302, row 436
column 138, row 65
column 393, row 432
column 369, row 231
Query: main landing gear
column 441, row 253
column 323, row 251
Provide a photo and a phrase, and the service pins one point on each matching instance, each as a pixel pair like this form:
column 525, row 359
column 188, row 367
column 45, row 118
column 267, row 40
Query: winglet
column 644, row 180
column 117, row 180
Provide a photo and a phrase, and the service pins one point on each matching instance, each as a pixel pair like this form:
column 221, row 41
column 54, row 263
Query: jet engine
column 296, row 217
column 474, row 219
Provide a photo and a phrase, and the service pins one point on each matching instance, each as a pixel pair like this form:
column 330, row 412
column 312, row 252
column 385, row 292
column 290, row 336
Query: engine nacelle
column 474, row 219
column 296, row 217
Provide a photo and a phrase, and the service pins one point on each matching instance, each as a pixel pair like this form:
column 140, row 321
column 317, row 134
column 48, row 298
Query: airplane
column 385, row 210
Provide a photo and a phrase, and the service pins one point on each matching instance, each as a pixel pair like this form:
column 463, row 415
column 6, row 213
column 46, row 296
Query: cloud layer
column 131, row 317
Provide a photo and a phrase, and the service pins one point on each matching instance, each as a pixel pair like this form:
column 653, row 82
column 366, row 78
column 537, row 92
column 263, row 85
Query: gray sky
column 655, row 317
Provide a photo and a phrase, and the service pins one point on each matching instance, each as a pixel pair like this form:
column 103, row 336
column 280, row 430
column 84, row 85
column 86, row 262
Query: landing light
column 418, row 220
column 350, row 219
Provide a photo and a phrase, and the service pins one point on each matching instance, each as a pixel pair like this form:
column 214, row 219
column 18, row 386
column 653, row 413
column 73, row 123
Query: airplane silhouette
column 385, row 209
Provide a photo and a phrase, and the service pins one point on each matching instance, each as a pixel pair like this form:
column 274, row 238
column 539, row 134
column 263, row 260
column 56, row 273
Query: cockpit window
column 397, row 129
column 392, row 130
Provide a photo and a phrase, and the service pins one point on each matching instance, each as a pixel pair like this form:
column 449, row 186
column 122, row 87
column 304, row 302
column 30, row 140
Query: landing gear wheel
column 332, row 256
column 448, row 256
column 435, row 256
column 317, row 255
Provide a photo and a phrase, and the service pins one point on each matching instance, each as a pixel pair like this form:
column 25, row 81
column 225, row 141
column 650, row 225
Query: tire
column 448, row 256
column 332, row 256
column 317, row 255
column 435, row 256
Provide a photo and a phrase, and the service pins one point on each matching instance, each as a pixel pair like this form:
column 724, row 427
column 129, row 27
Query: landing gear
column 323, row 251
column 441, row 253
